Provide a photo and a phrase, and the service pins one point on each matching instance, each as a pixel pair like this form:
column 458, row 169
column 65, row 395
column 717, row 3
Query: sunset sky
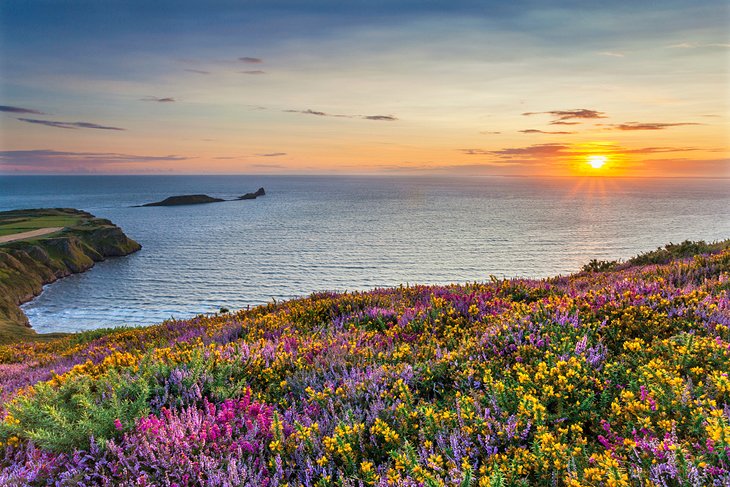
column 417, row 87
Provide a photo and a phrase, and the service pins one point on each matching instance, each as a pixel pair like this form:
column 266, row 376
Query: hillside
column 611, row 377
column 43, row 245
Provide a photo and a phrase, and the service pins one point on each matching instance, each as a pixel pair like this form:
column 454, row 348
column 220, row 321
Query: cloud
column 254, row 72
column 9, row 109
column 535, row 131
column 317, row 113
column 251, row 60
column 161, row 100
column 694, row 45
column 386, row 118
column 649, row 126
column 268, row 166
column 533, row 151
column 199, row 71
column 69, row 125
column 560, row 116
column 52, row 160
column 381, row 118
column 611, row 54
column 272, row 154
column 486, row 132
column 657, row 150
column 557, row 150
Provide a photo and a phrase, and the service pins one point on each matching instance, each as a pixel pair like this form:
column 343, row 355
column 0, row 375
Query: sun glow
column 596, row 162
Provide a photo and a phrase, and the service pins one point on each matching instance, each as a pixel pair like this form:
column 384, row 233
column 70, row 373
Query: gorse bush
column 617, row 377
column 672, row 251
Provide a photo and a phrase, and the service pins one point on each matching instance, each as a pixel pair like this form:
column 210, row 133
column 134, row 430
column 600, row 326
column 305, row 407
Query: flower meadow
column 603, row 378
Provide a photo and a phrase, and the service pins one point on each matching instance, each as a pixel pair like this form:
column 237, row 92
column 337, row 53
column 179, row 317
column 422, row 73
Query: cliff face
column 26, row 265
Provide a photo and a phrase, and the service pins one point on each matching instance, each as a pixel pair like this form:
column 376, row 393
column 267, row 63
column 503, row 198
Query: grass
column 27, row 264
column 20, row 225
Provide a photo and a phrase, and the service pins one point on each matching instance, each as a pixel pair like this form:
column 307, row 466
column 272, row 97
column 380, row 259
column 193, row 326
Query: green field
column 11, row 226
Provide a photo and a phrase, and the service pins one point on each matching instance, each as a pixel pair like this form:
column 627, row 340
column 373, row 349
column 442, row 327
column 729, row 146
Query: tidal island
column 187, row 199
column 200, row 199
column 40, row 246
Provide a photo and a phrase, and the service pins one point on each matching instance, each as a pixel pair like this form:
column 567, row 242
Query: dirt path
column 30, row 234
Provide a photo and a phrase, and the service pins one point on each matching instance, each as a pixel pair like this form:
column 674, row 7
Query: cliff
column 28, row 264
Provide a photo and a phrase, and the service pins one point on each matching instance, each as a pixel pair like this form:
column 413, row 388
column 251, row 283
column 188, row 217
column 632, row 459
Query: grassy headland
column 615, row 377
column 77, row 241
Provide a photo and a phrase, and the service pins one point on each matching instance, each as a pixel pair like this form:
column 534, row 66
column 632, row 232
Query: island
column 200, row 199
column 40, row 246
column 189, row 199
column 253, row 196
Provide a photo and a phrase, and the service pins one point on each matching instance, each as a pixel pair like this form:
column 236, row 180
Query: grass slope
column 26, row 265
column 11, row 224
column 613, row 378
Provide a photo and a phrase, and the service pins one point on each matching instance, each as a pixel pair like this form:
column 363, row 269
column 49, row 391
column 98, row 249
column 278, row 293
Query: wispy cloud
column 272, row 154
column 251, row 60
column 384, row 118
column 253, row 72
column 9, row 109
column 268, row 166
column 563, row 122
column 198, row 71
column 379, row 118
column 561, row 117
column 69, row 125
column 649, row 126
column 695, row 45
column 46, row 159
column 487, row 132
column 317, row 113
column 535, row 131
column 611, row 54
column 160, row 100
column 558, row 150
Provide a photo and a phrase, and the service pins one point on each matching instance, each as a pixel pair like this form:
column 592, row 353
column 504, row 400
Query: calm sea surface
column 348, row 233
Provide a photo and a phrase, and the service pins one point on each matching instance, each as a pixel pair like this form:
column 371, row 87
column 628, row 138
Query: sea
column 347, row 233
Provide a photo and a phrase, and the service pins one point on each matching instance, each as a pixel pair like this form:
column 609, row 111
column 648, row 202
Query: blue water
column 348, row 233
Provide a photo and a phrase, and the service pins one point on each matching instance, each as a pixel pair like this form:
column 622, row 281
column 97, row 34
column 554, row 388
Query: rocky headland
column 77, row 241
column 253, row 196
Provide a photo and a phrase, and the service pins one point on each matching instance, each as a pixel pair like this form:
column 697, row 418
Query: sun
column 597, row 162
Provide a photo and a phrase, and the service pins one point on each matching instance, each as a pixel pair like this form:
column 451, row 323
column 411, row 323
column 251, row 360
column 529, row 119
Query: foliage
column 595, row 265
column 613, row 378
column 671, row 251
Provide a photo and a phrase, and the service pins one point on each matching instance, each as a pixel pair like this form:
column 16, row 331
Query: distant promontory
column 189, row 199
column 253, row 196
column 200, row 199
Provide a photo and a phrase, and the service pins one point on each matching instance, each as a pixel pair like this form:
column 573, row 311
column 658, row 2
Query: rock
column 253, row 196
column 188, row 199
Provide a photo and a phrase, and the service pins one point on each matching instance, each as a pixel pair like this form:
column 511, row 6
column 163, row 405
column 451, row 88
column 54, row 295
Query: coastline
column 28, row 264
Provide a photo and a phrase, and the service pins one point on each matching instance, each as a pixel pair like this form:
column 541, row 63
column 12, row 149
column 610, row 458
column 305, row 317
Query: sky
column 560, row 88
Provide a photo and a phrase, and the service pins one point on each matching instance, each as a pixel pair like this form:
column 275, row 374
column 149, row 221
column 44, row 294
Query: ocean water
column 312, row 233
